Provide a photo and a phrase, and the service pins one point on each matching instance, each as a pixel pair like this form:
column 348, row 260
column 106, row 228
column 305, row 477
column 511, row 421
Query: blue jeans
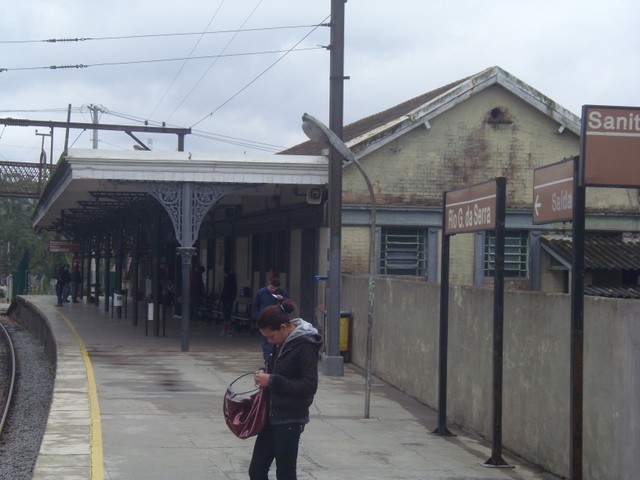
column 279, row 442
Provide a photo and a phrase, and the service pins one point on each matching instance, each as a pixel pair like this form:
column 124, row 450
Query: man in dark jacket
column 63, row 277
column 272, row 294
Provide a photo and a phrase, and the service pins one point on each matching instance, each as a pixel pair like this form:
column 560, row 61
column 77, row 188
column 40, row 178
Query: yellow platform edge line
column 97, row 467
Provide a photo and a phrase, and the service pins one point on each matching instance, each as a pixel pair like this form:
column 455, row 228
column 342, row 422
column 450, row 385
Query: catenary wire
column 154, row 35
column 215, row 14
column 134, row 62
column 293, row 48
column 224, row 49
column 217, row 137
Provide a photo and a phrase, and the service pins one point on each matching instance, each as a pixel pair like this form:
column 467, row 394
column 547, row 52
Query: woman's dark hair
column 273, row 316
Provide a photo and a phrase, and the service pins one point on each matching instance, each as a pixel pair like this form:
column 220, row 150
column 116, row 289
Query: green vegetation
column 18, row 237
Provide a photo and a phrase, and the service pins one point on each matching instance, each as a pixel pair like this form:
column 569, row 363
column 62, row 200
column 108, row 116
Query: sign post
column 609, row 157
column 477, row 208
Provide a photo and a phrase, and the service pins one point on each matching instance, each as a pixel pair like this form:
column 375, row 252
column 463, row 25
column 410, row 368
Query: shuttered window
column 403, row 251
column 516, row 253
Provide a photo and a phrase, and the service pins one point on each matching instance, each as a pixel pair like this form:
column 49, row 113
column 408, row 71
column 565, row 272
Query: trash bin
column 346, row 320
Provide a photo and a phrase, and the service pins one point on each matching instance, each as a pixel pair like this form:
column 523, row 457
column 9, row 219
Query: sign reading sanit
column 610, row 153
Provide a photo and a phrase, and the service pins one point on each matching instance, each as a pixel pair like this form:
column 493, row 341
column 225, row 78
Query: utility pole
column 94, row 109
column 66, row 135
column 333, row 363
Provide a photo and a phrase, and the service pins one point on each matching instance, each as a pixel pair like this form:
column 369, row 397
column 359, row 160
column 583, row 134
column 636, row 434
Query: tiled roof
column 612, row 292
column 620, row 252
column 383, row 126
column 601, row 252
column 364, row 125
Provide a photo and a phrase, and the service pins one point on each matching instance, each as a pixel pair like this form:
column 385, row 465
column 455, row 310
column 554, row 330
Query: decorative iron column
column 187, row 203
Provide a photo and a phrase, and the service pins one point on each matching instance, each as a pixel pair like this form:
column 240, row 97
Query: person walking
column 272, row 294
column 227, row 299
column 291, row 378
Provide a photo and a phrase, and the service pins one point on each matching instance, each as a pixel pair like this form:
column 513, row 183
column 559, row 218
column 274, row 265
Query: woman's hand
column 261, row 379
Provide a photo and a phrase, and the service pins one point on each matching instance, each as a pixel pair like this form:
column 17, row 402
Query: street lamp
column 319, row 133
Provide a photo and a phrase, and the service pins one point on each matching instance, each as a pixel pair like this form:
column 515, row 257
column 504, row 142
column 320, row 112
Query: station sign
column 471, row 209
column 553, row 193
column 610, row 148
column 63, row 246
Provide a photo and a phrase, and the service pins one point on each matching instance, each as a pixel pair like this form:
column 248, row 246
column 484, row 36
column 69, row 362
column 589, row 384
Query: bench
column 210, row 310
column 241, row 315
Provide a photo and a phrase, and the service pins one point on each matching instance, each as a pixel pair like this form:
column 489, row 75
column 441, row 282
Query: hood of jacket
column 303, row 329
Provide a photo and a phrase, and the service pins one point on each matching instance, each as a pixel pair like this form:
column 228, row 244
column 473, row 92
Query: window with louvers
column 516, row 254
column 403, row 251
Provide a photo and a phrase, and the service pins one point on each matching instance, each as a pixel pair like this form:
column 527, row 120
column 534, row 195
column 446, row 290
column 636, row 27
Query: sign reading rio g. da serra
column 471, row 209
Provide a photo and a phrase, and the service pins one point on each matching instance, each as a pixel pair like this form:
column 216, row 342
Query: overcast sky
column 246, row 91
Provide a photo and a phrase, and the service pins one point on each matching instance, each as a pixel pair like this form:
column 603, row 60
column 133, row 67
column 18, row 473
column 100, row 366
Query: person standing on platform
column 227, row 299
column 66, row 286
column 62, row 277
column 76, row 284
column 272, row 294
column 196, row 290
column 291, row 378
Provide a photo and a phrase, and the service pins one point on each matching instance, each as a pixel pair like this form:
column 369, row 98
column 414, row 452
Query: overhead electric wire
column 206, row 135
column 224, row 49
column 185, row 62
column 264, row 72
column 153, row 35
column 266, row 147
column 134, row 62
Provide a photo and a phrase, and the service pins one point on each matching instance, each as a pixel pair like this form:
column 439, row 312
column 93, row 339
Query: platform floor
column 159, row 412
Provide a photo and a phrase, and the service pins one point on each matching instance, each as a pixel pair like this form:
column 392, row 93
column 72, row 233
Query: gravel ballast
column 23, row 431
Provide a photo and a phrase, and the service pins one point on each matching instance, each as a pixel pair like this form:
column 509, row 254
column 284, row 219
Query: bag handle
column 240, row 377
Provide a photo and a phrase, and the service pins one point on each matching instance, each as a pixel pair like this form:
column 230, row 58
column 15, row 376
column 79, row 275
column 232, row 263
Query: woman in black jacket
column 292, row 380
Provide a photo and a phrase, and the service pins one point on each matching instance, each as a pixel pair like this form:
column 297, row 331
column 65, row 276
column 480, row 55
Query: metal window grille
column 516, row 254
column 403, row 251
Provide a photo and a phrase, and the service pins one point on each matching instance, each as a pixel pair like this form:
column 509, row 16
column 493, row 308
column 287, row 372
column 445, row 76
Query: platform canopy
column 83, row 176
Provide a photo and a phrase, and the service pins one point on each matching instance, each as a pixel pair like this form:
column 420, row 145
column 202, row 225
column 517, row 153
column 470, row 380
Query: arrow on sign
column 537, row 204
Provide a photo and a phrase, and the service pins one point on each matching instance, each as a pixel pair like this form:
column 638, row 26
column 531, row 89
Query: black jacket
column 294, row 375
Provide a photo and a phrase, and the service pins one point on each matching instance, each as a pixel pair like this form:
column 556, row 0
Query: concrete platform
column 157, row 412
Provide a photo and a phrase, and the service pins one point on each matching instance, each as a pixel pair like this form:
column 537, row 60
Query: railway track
column 7, row 374
column 26, row 388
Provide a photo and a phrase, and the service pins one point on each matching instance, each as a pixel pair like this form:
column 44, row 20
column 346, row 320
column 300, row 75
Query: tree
column 18, row 236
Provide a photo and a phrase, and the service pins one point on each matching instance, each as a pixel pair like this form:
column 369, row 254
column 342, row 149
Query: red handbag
column 246, row 413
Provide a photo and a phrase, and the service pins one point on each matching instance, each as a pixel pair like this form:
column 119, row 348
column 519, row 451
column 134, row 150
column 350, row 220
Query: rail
column 9, row 373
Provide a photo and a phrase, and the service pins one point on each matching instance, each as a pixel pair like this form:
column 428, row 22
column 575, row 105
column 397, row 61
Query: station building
column 149, row 218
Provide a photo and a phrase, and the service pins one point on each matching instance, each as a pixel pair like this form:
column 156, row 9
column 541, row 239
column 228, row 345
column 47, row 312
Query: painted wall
column 536, row 366
column 462, row 147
